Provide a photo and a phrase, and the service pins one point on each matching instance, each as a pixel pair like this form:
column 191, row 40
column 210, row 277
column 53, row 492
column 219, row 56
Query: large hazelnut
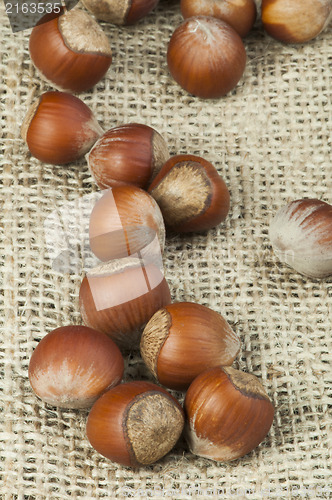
column 129, row 154
column 206, row 56
column 228, row 414
column 73, row 365
column 295, row 21
column 123, row 222
column 191, row 194
column 118, row 298
column 240, row 14
column 301, row 236
column 135, row 424
column 183, row 339
column 59, row 128
column 71, row 50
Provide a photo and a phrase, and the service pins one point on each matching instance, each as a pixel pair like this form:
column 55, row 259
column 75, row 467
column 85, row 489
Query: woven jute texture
column 270, row 139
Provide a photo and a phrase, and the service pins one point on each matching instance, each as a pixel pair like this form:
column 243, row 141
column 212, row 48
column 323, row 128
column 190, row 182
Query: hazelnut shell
column 71, row 50
column 136, row 424
column 183, row 339
column 73, row 365
column 191, row 194
column 228, row 414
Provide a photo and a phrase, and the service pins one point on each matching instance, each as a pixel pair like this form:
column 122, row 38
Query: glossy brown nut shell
column 183, row 339
column 59, row 128
column 135, row 424
column 295, row 21
column 191, row 194
column 240, row 14
column 71, row 51
column 129, row 154
column 206, row 57
column 228, row 414
column 125, row 221
column 73, row 365
column 120, row 303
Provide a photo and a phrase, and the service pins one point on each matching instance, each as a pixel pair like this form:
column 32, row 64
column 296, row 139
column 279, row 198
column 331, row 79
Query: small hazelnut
column 240, row 14
column 118, row 298
column 122, row 12
column 295, row 21
column 59, row 128
column 128, row 154
column 191, row 194
column 135, row 424
column 71, row 51
column 301, row 236
column 124, row 221
column 206, row 57
column 228, row 414
column 73, row 365
column 183, row 339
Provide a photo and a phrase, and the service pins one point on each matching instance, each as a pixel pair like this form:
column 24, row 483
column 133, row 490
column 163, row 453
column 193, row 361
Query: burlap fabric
column 271, row 141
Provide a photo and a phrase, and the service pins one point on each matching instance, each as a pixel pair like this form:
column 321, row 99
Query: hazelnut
column 124, row 221
column 128, row 154
column 118, row 298
column 295, row 21
column 59, row 128
column 122, row 12
column 240, row 14
column 228, row 414
column 73, row 365
column 206, row 57
column 183, row 339
column 135, row 424
column 71, row 51
column 301, row 236
column 191, row 194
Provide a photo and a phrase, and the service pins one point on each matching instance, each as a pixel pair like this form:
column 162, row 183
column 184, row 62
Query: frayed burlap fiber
column 270, row 139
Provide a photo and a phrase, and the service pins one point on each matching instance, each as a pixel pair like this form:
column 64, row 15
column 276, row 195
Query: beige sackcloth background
column 270, row 139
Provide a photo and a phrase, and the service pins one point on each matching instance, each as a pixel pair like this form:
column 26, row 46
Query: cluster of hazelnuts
column 125, row 302
column 206, row 55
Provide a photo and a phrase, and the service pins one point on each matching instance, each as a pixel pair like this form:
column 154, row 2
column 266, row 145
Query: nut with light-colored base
column 191, row 194
column 124, row 221
column 119, row 297
column 129, row 154
column 301, row 236
column 228, row 414
column 206, row 57
column 183, row 339
column 135, row 424
column 59, row 128
column 240, row 14
column 296, row 21
column 73, row 365
column 71, row 51
column 122, row 12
